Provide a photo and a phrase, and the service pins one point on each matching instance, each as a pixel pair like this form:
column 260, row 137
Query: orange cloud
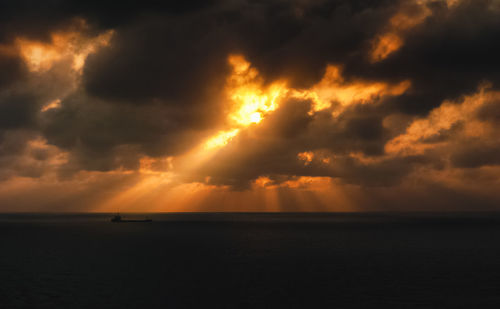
column 73, row 46
column 250, row 101
column 386, row 44
column 408, row 17
column 51, row 105
column 307, row 157
column 333, row 88
column 441, row 119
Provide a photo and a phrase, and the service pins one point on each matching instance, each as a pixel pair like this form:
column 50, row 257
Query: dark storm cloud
column 17, row 110
column 11, row 69
column 167, row 49
column 18, row 159
column 36, row 19
column 158, row 86
column 477, row 154
column 178, row 56
column 11, row 144
column 157, row 89
column 272, row 148
column 19, row 107
column 102, row 136
column 445, row 57
column 179, row 62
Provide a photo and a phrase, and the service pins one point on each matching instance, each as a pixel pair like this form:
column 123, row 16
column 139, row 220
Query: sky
column 234, row 105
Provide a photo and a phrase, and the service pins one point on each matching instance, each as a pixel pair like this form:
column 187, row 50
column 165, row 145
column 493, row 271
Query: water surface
column 243, row 260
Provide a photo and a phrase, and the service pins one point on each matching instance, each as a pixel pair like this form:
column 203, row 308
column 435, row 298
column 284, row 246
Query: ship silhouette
column 118, row 218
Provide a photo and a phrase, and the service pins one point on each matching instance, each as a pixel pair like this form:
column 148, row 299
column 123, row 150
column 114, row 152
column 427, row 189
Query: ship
column 118, row 218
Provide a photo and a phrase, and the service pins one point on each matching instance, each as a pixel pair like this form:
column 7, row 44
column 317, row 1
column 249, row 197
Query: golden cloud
column 441, row 119
column 73, row 46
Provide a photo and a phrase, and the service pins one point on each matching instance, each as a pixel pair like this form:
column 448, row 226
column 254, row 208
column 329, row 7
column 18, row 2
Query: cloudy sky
column 234, row 105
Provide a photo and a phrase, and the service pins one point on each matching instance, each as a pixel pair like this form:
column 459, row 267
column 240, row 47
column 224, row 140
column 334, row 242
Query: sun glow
column 250, row 101
column 221, row 139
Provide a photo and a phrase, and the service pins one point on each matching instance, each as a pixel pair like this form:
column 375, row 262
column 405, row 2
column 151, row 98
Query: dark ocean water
column 251, row 261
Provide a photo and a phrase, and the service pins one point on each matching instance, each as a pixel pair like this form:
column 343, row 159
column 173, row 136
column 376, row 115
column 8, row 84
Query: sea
column 250, row 260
